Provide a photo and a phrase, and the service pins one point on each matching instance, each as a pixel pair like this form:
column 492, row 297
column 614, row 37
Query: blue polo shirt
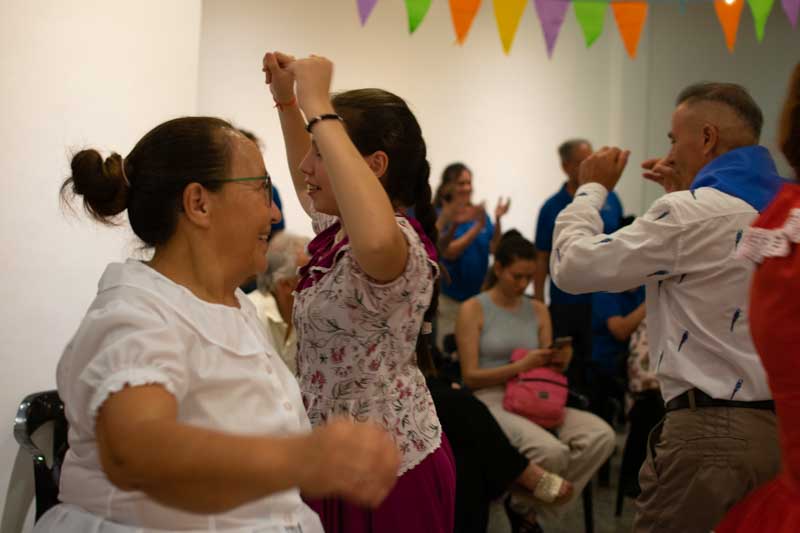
column 611, row 213
column 605, row 347
column 469, row 270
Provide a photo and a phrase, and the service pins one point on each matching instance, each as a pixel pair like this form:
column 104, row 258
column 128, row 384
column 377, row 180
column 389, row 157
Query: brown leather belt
column 694, row 398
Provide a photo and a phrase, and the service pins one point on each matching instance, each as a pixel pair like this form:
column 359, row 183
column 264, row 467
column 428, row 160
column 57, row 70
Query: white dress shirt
column 683, row 250
column 216, row 360
column 270, row 316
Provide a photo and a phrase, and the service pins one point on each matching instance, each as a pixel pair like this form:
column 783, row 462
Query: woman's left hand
column 501, row 208
column 313, row 77
column 561, row 358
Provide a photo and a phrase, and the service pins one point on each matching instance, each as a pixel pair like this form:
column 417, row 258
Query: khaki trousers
column 583, row 444
column 700, row 463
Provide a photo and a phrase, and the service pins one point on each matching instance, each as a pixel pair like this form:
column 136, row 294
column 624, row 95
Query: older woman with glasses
column 182, row 416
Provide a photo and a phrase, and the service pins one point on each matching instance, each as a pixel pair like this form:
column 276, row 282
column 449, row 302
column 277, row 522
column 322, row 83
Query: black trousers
column 575, row 320
column 486, row 462
column 647, row 411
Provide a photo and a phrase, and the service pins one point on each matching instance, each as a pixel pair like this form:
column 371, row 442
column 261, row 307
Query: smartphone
column 560, row 342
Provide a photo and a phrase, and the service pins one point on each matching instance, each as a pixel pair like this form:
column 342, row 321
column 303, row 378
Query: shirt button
column 287, row 406
column 269, row 369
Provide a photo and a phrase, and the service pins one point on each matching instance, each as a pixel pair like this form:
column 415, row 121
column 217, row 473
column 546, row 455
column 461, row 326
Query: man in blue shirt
column 571, row 314
column 615, row 316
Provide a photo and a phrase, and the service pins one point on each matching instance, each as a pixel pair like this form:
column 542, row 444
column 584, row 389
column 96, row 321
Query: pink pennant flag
column 792, row 9
column 365, row 8
column 551, row 17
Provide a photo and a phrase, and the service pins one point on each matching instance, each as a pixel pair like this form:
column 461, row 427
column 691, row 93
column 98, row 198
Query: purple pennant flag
column 551, row 16
column 365, row 8
column 792, row 8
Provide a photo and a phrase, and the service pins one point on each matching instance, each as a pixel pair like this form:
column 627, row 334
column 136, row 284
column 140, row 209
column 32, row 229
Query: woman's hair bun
column 102, row 183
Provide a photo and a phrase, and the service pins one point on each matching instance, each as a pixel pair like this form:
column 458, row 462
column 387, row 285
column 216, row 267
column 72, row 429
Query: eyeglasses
column 265, row 180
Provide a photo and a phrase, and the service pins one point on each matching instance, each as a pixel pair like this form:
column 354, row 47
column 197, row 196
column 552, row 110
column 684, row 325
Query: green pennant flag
column 761, row 10
column 591, row 15
column 417, row 9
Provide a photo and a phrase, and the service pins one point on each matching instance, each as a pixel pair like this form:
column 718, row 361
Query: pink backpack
column 540, row 394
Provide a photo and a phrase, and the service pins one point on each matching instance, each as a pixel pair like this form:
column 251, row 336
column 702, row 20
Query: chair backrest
column 35, row 411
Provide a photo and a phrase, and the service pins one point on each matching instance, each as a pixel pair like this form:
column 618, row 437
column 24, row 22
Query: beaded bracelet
column 326, row 116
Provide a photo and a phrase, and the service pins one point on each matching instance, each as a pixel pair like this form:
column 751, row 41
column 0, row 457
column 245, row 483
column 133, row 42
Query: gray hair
column 281, row 260
column 731, row 95
column 566, row 148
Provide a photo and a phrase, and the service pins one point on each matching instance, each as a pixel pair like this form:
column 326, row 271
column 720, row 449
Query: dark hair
column 252, row 136
column 379, row 120
column 566, row 148
column 449, row 176
column 167, row 159
column 512, row 246
column 731, row 95
column 444, row 193
column 789, row 133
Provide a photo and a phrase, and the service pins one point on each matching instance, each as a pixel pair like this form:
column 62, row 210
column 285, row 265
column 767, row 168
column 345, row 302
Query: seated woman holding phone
column 503, row 334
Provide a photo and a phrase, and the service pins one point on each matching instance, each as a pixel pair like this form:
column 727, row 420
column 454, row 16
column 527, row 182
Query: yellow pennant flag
column 463, row 13
column 507, row 13
column 630, row 17
column 729, row 12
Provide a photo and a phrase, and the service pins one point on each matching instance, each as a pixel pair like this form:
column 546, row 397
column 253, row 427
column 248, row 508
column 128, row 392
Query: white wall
column 72, row 74
column 502, row 115
column 686, row 48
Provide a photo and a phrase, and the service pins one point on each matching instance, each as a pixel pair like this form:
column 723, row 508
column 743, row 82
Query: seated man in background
column 615, row 316
column 274, row 296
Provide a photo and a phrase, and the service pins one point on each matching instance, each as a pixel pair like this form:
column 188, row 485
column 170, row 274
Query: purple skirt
column 422, row 501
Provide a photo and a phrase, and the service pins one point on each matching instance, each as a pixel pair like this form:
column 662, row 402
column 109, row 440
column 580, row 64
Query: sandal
column 520, row 523
column 548, row 487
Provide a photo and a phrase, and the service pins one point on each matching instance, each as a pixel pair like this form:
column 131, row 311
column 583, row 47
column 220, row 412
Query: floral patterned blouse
column 640, row 374
column 357, row 341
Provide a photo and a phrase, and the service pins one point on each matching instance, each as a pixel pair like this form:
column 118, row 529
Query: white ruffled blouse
column 216, row 360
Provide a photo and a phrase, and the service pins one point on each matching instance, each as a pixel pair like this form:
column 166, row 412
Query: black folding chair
column 36, row 410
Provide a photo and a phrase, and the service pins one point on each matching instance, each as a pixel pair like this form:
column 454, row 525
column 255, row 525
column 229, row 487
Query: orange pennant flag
column 463, row 13
column 630, row 17
column 729, row 12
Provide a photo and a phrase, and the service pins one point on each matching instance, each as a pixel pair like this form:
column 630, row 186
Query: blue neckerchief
column 747, row 173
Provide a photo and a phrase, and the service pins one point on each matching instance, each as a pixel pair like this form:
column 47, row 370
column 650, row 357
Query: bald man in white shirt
column 718, row 440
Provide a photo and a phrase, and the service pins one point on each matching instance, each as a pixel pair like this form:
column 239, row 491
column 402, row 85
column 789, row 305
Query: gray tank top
column 504, row 331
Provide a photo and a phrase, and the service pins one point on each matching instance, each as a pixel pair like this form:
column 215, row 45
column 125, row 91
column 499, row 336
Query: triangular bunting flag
column 761, row 10
column 507, row 13
column 417, row 9
column 591, row 15
column 365, row 8
column 551, row 17
column 630, row 17
column 792, row 9
column 463, row 13
column 729, row 15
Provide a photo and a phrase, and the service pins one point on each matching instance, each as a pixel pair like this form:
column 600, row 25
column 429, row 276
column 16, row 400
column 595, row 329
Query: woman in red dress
column 774, row 243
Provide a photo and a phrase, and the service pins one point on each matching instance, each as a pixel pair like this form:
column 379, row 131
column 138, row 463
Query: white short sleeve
column 419, row 267
column 134, row 346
